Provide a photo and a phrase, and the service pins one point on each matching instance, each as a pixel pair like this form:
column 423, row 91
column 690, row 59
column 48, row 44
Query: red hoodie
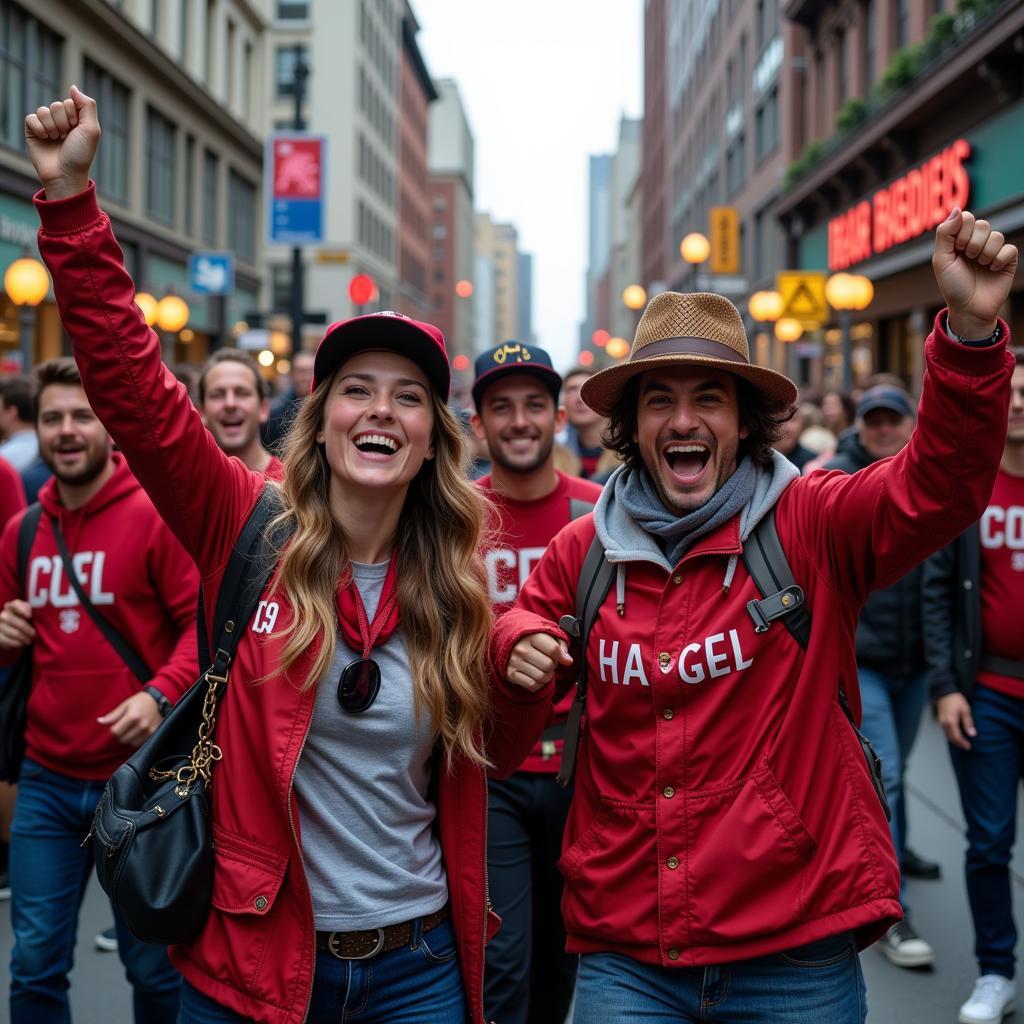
column 12, row 493
column 256, row 953
column 140, row 579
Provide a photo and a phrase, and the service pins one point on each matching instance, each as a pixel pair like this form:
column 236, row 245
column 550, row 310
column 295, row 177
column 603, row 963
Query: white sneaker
column 991, row 1000
column 902, row 946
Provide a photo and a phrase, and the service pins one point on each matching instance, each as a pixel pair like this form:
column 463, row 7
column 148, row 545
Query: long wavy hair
column 442, row 591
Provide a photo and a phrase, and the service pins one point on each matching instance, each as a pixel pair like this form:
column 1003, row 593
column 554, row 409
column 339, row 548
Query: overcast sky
column 544, row 83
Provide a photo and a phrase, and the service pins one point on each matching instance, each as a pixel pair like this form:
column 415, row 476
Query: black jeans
column 529, row 977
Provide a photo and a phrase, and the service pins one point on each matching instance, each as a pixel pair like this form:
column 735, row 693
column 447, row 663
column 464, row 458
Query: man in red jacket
column 87, row 710
column 724, row 816
column 529, row 977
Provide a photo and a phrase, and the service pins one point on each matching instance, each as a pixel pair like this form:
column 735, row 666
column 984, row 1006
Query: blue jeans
column 529, row 977
column 988, row 776
column 49, row 870
column 892, row 707
column 419, row 982
column 820, row 983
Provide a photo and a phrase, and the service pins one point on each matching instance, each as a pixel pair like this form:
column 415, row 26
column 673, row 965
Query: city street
column 100, row 994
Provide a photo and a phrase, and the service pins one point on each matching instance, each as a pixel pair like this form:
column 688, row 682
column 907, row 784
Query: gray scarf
column 639, row 498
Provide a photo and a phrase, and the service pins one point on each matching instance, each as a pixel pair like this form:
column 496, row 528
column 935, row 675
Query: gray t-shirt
column 368, row 844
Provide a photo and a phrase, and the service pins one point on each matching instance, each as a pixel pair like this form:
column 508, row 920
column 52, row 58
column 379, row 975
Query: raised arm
column 202, row 494
column 870, row 528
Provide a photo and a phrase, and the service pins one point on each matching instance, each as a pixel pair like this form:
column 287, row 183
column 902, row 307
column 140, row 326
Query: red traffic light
column 586, row 357
column 361, row 289
column 460, row 362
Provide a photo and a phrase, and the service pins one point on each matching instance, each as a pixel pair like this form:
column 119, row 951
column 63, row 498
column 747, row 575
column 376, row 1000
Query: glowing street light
column 147, row 303
column 26, row 284
column 847, row 293
column 634, row 297
column 460, row 362
column 695, row 248
column 172, row 313
column 788, row 329
column 586, row 357
column 600, row 338
column 617, row 348
column 765, row 307
column 464, row 289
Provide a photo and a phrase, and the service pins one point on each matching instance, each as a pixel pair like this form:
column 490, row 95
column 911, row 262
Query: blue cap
column 885, row 396
column 514, row 357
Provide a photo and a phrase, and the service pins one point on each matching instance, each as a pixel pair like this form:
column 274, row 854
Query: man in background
column 285, row 409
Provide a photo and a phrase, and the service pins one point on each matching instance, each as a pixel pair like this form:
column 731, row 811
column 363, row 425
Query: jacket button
column 673, row 954
column 664, row 660
column 260, row 903
column 668, row 714
column 668, row 792
column 673, row 862
column 677, row 579
column 968, row 584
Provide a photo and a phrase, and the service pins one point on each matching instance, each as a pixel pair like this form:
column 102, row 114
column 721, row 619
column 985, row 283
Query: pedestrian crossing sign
column 803, row 295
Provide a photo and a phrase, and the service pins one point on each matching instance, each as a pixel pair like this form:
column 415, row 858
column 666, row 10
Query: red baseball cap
column 394, row 332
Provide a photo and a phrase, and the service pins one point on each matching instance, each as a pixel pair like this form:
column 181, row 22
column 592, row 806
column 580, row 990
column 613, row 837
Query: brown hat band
column 687, row 347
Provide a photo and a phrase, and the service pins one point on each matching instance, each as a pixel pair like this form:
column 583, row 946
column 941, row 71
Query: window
column 869, row 44
column 242, row 217
column 30, row 70
column 280, row 287
column 154, row 17
column 190, row 184
column 229, row 91
column 736, row 164
column 842, row 71
column 902, row 11
column 766, row 125
column 211, row 39
column 161, row 141
column 292, row 11
column 185, row 12
column 284, row 68
column 211, row 209
column 247, row 82
column 110, row 169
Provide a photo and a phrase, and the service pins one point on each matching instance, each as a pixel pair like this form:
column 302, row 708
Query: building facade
column 913, row 107
column 179, row 168
column 499, row 245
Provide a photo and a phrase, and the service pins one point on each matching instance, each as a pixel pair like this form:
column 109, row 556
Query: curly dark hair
column 762, row 417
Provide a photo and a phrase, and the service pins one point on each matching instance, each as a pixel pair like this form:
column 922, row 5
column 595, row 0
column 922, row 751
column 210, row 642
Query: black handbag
column 151, row 833
column 15, row 690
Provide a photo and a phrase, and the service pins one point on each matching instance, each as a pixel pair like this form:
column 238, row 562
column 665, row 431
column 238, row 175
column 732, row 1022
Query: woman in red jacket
column 349, row 807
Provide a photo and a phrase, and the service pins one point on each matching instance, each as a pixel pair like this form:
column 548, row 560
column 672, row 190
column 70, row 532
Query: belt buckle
column 335, row 950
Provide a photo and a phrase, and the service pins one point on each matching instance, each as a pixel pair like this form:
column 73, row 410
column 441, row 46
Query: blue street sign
column 211, row 273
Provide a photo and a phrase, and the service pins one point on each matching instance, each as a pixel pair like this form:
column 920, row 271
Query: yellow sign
column 332, row 256
column 725, row 240
column 803, row 295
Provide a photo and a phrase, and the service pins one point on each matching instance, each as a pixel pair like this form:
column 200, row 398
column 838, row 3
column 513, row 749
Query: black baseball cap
column 514, row 357
column 885, row 396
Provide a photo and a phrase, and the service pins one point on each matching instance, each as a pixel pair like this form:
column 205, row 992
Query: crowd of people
column 520, row 661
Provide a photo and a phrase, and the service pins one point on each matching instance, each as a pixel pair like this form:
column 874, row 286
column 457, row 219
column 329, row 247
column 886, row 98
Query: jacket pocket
column 748, row 860
column 247, row 881
column 611, row 881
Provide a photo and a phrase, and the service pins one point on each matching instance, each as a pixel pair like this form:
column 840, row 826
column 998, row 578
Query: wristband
column 980, row 343
column 162, row 703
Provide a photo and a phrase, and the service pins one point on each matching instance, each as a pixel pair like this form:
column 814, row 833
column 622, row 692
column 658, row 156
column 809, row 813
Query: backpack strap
column 26, row 535
column 591, row 589
column 578, row 508
column 783, row 599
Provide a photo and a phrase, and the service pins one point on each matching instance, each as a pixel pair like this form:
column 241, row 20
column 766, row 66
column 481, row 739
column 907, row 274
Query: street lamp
column 147, row 303
column 695, row 248
column 172, row 314
column 766, row 308
column 617, row 348
column 787, row 329
column 634, row 297
column 26, row 283
column 846, row 293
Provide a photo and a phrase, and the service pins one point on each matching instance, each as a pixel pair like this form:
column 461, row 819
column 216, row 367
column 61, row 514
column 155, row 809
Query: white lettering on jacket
column 716, row 661
column 634, row 668
column 47, row 586
column 1003, row 527
column 266, row 617
column 505, row 591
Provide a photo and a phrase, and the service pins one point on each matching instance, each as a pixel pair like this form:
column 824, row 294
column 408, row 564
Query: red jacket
column 139, row 579
column 12, row 493
column 722, row 808
column 520, row 536
column 256, row 952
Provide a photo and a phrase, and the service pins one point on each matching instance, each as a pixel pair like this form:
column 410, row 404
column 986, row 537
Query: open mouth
column 377, row 445
column 687, row 461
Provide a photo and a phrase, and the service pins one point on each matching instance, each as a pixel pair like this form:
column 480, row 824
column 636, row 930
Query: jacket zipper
column 302, row 861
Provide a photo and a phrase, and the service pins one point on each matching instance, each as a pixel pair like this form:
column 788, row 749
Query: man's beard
column 94, row 465
column 543, row 455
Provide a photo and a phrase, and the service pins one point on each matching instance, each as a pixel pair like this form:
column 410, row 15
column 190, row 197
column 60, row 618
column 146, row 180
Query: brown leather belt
column 368, row 944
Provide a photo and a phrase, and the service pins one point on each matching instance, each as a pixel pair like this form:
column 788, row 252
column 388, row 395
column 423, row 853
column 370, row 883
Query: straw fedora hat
column 693, row 329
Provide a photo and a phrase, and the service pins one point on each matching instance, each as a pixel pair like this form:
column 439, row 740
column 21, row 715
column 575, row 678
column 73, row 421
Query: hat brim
column 390, row 334
column 547, row 375
column 603, row 390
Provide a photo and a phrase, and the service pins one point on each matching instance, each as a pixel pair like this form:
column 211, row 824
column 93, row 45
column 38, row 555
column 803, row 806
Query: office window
column 184, row 29
column 154, row 16
column 292, row 11
column 736, row 164
column 902, row 11
column 842, row 70
column 766, row 125
column 869, row 44
column 190, row 184
column 284, row 68
column 110, row 169
column 211, row 210
column 211, row 39
column 229, row 90
column 161, row 141
column 242, row 217
column 30, row 70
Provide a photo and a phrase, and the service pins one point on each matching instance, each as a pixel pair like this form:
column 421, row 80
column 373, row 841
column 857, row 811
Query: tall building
column 910, row 108
column 596, row 307
column 450, row 155
column 655, row 243
column 524, row 315
column 180, row 163
column 417, row 91
column 499, row 244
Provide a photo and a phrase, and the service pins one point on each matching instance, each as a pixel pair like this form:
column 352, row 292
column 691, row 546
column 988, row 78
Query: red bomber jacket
column 256, row 953
column 139, row 578
column 723, row 809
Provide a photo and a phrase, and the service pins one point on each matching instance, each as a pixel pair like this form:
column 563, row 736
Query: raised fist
column 62, row 140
